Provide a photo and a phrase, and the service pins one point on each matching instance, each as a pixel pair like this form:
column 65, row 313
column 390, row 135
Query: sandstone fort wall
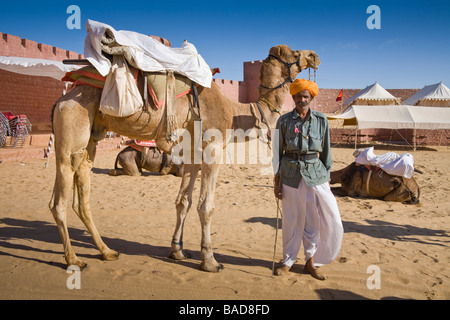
column 35, row 96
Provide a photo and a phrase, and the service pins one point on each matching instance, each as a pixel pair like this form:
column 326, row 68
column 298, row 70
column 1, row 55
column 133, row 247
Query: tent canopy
column 436, row 95
column 396, row 117
column 372, row 95
column 36, row 67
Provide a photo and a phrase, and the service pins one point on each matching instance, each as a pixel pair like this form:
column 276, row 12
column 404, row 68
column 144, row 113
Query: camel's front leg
column 183, row 203
column 205, row 211
column 399, row 194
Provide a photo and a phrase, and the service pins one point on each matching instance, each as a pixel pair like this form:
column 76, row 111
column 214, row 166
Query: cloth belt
column 296, row 156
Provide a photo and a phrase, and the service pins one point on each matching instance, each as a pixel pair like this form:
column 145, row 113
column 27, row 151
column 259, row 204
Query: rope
column 309, row 70
column 271, row 106
column 367, row 183
column 49, row 149
column 121, row 142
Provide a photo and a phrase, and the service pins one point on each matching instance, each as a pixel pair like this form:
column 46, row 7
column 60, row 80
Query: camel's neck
column 273, row 98
column 248, row 115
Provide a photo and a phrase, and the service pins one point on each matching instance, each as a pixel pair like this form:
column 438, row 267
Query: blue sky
column 411, row 50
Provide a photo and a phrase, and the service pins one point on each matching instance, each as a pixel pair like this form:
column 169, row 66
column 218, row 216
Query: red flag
column 339, row 97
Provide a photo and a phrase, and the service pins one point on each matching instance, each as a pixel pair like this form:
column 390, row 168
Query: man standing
column 310, row 211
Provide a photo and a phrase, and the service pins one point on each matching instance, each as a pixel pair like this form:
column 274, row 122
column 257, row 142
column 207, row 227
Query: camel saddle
column 163, row 89
column 156, row 82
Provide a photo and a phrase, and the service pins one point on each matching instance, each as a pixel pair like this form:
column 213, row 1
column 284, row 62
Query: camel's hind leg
column 183, row 204
column 73, row 120
column 72, row 127
column 205, row 212
column 58, row 205
column 81, row 205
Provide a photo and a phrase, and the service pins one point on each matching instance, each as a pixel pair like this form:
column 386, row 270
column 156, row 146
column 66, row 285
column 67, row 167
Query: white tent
column 435, row 95
column 398, row 117
column 36, row 67
column 373, row 95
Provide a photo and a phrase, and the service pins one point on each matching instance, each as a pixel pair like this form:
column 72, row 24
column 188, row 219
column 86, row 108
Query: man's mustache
column 302, row 104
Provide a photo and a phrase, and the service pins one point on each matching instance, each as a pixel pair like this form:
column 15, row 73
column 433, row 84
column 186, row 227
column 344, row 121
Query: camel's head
column 278, row 71
column 284, row 64
column 308, row 59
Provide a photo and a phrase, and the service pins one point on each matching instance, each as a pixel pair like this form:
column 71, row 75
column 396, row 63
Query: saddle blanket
column 142, row 143
column 391, row 162
column 156, row 82
column 139, row 145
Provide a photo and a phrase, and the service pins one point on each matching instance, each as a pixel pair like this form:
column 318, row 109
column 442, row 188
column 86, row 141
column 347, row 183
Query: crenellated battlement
column 14, row 46
column 34, row 96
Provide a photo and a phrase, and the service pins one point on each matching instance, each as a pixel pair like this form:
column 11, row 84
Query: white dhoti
column 311, row 215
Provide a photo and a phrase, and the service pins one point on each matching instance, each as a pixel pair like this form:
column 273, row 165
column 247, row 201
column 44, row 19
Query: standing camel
column 78, row 126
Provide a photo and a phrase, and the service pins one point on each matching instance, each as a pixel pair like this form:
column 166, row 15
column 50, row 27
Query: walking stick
column 278, row 216
column 276, row 236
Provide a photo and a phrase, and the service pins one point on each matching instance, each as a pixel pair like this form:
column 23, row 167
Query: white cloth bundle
column 391, row 162
column 147, row 53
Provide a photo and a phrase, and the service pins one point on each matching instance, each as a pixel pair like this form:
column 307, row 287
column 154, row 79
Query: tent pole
column 414, row 138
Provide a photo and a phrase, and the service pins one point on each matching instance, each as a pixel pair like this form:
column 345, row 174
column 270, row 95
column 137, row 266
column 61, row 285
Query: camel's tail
column 52, row 115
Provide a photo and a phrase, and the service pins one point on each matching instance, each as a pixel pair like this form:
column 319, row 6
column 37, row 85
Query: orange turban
column 301, row 84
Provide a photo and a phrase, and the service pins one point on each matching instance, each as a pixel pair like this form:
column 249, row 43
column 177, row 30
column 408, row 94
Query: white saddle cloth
column 391, row 162
column 149, row 54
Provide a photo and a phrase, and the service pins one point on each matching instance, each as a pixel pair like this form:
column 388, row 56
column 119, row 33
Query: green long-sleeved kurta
column 312, row 136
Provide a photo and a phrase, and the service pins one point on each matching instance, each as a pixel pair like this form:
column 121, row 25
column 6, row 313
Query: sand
column 407, row 244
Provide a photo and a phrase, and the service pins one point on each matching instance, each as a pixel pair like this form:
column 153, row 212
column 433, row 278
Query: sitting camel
column 372, row 182
column 133, row 160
